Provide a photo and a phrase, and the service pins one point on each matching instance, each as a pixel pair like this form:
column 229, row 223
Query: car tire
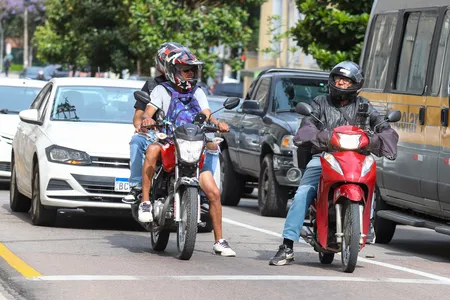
column 272, row 198
column 384, row 229
column 232, row 183
column 17, row 201
column 40, row 215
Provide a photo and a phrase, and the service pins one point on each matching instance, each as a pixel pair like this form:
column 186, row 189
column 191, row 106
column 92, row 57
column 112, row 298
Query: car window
column 93, row 104
column 289, row 91
column 262, row 92
column 37, row 102
column 17, row 98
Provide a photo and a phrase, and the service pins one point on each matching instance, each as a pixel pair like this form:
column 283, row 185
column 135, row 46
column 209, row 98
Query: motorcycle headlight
column 333, row 162
column 68, row 156
column 368, row 162
column 349, row 141
column 190, row 151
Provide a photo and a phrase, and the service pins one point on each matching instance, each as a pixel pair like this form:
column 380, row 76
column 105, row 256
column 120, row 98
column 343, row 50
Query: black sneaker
column 283, row 257
column 133, row 196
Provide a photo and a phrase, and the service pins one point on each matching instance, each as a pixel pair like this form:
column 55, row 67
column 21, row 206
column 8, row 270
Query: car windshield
column 94, row 104
column 17, row 98
column 290, row 91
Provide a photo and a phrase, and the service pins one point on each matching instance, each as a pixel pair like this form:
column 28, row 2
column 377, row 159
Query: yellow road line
column 18, row 264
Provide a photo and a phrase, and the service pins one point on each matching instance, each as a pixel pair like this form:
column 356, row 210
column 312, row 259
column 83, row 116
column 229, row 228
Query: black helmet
column 349, row 70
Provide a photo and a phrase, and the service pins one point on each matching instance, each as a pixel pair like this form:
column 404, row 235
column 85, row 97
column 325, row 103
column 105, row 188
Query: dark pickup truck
column 257, row 152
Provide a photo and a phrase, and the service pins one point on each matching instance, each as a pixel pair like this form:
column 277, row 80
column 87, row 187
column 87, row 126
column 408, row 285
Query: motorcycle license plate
column 121, row 185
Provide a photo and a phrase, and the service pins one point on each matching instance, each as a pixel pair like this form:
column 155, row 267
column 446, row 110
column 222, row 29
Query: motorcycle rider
column 338, row 108
column 182, row 68
column 143, row 137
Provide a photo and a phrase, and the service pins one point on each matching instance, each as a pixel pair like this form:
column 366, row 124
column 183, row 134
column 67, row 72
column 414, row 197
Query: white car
column 15, row 95
column 71, row 149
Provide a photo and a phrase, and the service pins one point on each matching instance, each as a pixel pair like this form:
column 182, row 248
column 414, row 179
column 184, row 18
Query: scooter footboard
column 350, row 191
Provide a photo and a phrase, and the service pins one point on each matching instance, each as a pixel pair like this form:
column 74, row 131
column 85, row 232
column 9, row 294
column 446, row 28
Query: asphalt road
column 86, row 257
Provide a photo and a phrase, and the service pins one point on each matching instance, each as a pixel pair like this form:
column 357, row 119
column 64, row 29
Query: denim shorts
column 210, row 162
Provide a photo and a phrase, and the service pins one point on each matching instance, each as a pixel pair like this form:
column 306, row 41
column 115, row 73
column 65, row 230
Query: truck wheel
column 232, row 183
column 384, row 229
column 272, row 198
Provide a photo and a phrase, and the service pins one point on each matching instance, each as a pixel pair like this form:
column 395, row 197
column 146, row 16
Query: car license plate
column 121, row 185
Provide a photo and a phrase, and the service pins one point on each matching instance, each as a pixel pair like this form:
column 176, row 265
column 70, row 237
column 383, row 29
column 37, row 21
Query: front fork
column 177, row 201
column 339, row 229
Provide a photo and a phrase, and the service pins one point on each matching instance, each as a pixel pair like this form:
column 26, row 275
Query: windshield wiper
column 7, row 111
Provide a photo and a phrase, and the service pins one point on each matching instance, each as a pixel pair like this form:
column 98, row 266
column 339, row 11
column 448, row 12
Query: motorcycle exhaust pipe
column 339, row 233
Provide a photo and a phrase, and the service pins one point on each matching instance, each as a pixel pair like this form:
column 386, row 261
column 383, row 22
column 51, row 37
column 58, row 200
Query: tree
column 91, row 33
column 332, row 30
column 198, row 25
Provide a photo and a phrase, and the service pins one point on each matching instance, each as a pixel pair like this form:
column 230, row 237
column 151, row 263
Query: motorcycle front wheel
column 187, row 227
column 352, row 234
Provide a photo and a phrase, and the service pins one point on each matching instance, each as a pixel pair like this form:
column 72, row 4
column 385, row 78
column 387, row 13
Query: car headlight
column 368, row 162
column 349, row 141
column 190, row 151
column 333, row 162
column 287, row 142
column 68, row 156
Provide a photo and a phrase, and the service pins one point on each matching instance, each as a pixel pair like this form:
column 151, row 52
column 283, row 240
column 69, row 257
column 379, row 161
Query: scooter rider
column 336, row 109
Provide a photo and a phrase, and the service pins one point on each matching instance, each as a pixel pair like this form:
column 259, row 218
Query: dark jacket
column 148, row 87
column 383, row 142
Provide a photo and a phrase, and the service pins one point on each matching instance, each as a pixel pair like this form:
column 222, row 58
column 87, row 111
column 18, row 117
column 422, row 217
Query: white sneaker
column 222, row 248
column 145, row 214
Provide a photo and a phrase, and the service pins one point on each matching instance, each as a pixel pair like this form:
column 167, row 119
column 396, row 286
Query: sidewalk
column 10, row 75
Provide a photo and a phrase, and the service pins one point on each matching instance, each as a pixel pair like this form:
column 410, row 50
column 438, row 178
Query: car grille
column 97, row 184
column 7, row 140
column 5, row 166
column 109, row 162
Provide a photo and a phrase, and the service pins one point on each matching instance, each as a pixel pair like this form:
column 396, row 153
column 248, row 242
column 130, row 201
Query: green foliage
column 119, row 33
column 332, row 30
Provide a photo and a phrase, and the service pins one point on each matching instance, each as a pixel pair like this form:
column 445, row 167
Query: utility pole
column 25, row 35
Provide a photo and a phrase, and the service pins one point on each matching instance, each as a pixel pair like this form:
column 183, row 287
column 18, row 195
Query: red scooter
column 340, row 214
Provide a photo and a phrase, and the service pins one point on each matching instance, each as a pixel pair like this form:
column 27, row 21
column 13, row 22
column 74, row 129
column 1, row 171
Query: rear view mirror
column 142, row 96
column 303, row 109
column 200, row 118
column 231, row 102
column 394, row 116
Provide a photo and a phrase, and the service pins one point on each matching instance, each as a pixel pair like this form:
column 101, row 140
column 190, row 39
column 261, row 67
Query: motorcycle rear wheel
column 160, row 239
column 187, row 227
column 352, row 234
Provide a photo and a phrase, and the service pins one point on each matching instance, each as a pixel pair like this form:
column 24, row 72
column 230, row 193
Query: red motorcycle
column 340, row 214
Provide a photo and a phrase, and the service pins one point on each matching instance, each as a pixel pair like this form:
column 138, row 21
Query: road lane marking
column 18, row 264
column 236, row 278
column 361, row 259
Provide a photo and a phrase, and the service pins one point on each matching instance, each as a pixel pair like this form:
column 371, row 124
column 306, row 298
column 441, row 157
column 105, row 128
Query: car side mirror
column 303, row 109
column 394, row 116
column 30, row 116
column 251, row 107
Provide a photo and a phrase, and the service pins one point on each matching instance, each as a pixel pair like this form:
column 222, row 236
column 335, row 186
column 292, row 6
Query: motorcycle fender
column 352, row 192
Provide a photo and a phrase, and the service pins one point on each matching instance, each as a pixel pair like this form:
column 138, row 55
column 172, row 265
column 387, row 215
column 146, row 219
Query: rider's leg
column 294, row 221
column 153, row 153
column 209, row 187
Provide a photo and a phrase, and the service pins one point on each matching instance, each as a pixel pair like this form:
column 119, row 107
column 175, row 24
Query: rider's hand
column 140, row 129
column 223, row 127
column 147, row 122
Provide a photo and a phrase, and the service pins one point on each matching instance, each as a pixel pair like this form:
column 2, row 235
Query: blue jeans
column 303, row 198
column 210, row 162
column 138, row 147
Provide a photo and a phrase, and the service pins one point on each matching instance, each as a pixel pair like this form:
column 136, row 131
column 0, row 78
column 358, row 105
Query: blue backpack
column 183, row 107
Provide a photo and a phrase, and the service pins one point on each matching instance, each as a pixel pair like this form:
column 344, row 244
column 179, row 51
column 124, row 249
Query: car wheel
column 40, row 215
column 272, row 198
column 384, row 229
column 17, row 201
column 231, row 182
